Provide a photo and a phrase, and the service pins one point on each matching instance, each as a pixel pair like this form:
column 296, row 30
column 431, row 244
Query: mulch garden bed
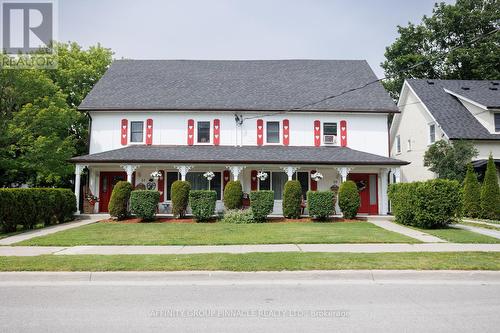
column 270, row 220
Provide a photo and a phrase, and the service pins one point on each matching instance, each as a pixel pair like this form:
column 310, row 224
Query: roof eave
column 236, row 109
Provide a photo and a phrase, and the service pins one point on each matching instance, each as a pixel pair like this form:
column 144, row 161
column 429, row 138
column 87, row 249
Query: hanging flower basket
column 92, row 199
column 262, row 175
column 317, row 176
column 209, row 175
column 156, row 175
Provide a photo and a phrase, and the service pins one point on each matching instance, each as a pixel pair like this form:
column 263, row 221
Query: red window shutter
column 161, row 186
column 254, row 180
column 343, row 133
column 317, row 133
column 216, row 132
column 190, row 137
column 226, row 177
column 149, row 132
column 260, row 132
column 286, row 132
column 124, row 132
column 314, row 184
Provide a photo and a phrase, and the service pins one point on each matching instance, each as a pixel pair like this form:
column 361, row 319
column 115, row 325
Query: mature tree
column 490, row 193
column 471, row 194
column 449, row 160
column 40, row 127
column 457, row 42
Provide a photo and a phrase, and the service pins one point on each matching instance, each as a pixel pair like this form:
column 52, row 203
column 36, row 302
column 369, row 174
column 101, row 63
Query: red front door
column 368, row 191
column 107, row 182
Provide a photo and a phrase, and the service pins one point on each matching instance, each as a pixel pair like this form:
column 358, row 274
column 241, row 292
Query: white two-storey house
column 156, row 121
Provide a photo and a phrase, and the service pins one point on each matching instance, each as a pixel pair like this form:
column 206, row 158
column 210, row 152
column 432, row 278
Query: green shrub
column 118, row 204
column 321, row 204
column 490, row 193
column 262, row 203
column 180, row 197
column 233, row 195
column 292, row 199
column 471, row 194
column 431, row 204
column 144, row 203
column 31, row 206
column 349, row 200
column 238, row 216
column 202, row 204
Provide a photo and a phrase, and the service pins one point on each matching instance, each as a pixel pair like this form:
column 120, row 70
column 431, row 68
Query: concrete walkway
column 482, row 222
column 80, row 220
column 236, row 249
column 482, row 231
column 400, row 229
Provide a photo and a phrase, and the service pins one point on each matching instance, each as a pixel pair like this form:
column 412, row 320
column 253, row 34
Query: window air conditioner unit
column 330, row 139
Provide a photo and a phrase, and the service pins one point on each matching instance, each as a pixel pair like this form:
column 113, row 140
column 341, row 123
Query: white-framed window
column 496, row 117
column 398, row 144
column 432, row 133
column 272, row 132
column 276, row 181
column 329, row 133
column 408, row 145
column 203, row 132
column 136, row 131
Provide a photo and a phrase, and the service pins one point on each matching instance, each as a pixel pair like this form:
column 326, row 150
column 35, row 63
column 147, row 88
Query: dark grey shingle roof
column 245, row 154
column 456, row 121
column 237, row 85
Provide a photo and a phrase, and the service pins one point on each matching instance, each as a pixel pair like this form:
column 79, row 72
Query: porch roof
column 238, row 155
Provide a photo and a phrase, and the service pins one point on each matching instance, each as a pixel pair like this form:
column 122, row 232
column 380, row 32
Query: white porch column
column 78, row 173
column 290, row 170
column 183, row 170
column 344, row 171
column 235, row 170
column 384, row 200
column 129, row 169
column 397, row 174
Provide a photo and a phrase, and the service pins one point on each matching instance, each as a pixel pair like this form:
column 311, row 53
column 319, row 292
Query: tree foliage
column 471, row 195
column 453, row 43
column 449, row 160
column 490, row 193
column 40, row 127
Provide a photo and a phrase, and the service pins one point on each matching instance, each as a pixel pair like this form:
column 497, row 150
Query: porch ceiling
column 238, row 155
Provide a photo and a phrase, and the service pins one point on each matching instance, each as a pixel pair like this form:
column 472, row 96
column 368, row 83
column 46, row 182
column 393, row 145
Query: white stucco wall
column 366, row 132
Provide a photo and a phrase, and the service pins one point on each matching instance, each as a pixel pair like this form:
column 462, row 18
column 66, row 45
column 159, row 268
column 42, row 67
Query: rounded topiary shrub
column 118, row 204
column 292, row 199
column 490, row 193
column 403, row 197
column 238, row 216
column 180, row 197
column 262, row 203
column 202, row 204
column 349, row 200
column 321, row 204
column 233, row 195
column 144, row 203
column 471, row 194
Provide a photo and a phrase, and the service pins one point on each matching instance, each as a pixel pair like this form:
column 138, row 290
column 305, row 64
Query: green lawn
column 219, row 234
column 256, row 262
column 454, row 235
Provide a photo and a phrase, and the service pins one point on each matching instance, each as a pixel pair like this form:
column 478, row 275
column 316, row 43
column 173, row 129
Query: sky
column 240, row 29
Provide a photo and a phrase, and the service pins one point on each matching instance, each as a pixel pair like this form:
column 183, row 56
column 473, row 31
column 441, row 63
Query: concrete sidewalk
column 387, row 224
column 236, row 249
column 482, row 231
column 80, row 221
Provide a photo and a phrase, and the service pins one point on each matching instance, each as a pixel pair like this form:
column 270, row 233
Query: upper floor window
column 329, row 133
column 136, row 131
column 398, row 144
column 203, row 132
column 273, row 132
column 432, row 133
column 497, row 122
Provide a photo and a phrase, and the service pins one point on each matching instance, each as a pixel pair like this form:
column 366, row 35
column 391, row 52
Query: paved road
column 252, row 302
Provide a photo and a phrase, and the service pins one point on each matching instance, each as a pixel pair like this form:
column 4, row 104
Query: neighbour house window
column 203, row 132
column 398, row 144
column 497, row 122
column 136, row 131
column 273, row 132
column 432, row 133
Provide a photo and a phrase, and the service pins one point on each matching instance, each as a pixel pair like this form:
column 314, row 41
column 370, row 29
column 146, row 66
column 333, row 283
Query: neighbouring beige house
column 432, row 110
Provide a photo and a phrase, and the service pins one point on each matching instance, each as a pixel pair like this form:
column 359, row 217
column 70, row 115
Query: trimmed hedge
column 431, row 204
column 144, row 203
column 490, row 193
column 471, row 194
column 180, row 197
column 349, row 200
column 202, row 204
column 118, row 204
column 321, row 204
column 233, row 195
column 262, row 203
column 238, row 216
column 292, row 199
column 31, row 206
